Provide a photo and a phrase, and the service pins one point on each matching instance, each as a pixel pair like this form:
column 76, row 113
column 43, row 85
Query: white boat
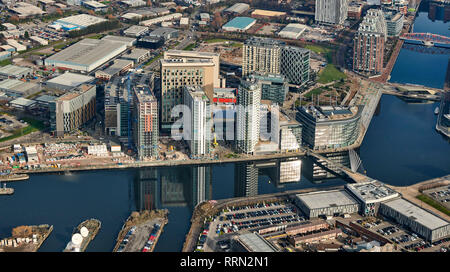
column 436, row 110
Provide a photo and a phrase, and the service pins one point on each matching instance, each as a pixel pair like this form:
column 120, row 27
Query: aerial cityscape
column 225, row 126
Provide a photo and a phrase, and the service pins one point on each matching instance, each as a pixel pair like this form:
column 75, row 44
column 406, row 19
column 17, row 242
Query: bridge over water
column 426, row 38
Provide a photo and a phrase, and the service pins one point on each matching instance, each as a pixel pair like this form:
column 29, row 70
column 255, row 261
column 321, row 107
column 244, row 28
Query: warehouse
column 94, row 5
column 86, row 55
column 24, row 10
column 68, row 81
column 261, row 13
column 18, row 46
column 135, row 31
column 238, row 8
column 239, row 24
column 422, row 222
column 370, row 195
column 161, row 19
column 129, row 42
column 5, row 55
column 326, row 203
column 14, row 71
column 292, row 31
column 79, row 21
column 17, row 88
column 39, row 40
column 44, row 101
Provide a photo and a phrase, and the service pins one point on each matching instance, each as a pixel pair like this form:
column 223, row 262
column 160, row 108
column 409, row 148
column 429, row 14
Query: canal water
column 419, row 64
column 401, row 147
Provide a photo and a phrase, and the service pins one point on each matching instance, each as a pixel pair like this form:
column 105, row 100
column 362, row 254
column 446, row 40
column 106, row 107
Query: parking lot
column 216, row 234
column 440, row 194
column 140, row 238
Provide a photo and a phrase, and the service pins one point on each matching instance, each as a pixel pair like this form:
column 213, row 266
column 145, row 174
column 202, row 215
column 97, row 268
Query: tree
column 26, row 35
column 217, row 22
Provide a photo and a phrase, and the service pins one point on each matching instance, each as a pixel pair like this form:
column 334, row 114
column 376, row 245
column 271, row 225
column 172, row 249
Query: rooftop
column 197, row 93
column 416, row 213
column 269, row 13
column 16, row 85
column 45, row 98
column 324, row 199
column 22, row 102
column 238, row 8
column 81, row 20
column 330, row 113
column 372, row 191
column 14, row 70
column 266, row 42
column 253, row 242
column 239, row 22
column 70, row 79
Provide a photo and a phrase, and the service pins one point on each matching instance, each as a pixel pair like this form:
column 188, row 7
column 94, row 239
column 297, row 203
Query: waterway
column 421, row 65
column 401, row 147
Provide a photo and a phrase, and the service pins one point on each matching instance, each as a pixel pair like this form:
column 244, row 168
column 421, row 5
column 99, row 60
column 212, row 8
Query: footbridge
column 426, row 38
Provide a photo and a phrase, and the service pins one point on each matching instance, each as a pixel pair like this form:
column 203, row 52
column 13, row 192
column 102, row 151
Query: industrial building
column 5, row 55
column 146, row 131
column 422, row 222
column 370, row 195
column 72, row 110
column 87, row 54
column 79, row 21
column 261, row 13
column 252, row 242
column 161, row 19
column 369, row 41
column 150, row 42
column 94, row 5
column 331, row 11
column 180, row 72
column 197, row 126
column 329, row 127
column 22, row 103
column 17, row 88
column 239, row 24
column 238, row 8
column 297, row 241
column 135, row 31
column 292, row 31
column 326, row 203
column 14, row 71
column 38, row 40
column 18, row 46
column 68, row 81
column 248, row 115
column 24, row 10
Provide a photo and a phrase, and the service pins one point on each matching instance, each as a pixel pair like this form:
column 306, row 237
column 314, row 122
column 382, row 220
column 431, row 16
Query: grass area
column 189, row 47
column 34, row 95
column 96, row 37
column 216, row 40
column 5, row 62
column 329, row 74
column 315, row 91
column 237, row 44
column 231, row 155
column 433, row 203
column 33, row 125
column 153, row 60
column 317, row 48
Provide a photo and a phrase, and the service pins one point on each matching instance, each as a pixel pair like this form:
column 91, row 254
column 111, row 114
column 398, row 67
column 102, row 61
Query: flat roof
column 16, row 85
column 372, row 191
column 238, row 8
column 325, row 199
column 81, row 20
column 269, row 13
column 239, row 22
column 45, row 98
column 14, row 70
column 416, row 213
column 87, row 52
column 23, row 102
column 70, row 79
column 136, row 53
column 255, row 243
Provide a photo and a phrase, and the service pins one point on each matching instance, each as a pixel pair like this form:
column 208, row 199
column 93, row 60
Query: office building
column 369, row 41
column 273, row 87
column 329, row 127
column 146, row 127
column 326, row 203
column 72, row 110
column 295, row 64
column 420, row 221
column 197, row 126
column 178, row 73
column 331, row 11
column 248, row 115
